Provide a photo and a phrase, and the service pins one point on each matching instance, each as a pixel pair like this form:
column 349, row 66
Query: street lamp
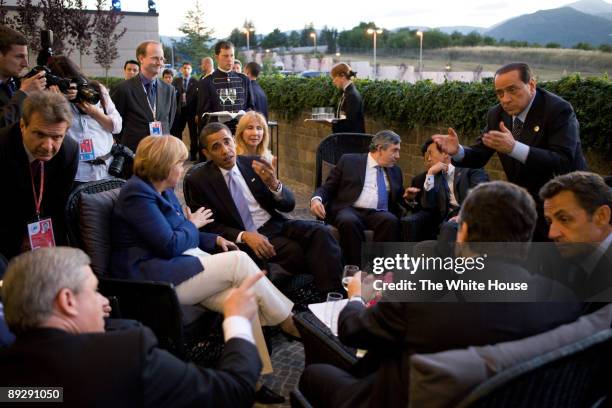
column 374, row 32
column 247, row 31
column 420, row 35
column 313, row 35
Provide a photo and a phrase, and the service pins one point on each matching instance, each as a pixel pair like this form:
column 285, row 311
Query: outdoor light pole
column 373, row 32
column 314, row 39
column 420, row 35
column 247, row 31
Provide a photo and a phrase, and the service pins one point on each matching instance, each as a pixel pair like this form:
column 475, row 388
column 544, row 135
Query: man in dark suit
column 223, row 78
column 364, row 191
column 187, row 94
column 393, row 331
column 13, row 91
column 247, row 201
column 252, row 70
column 534, row 132
column 38, row 165
column 578, row 208
column 53, row 306
column 146, row 104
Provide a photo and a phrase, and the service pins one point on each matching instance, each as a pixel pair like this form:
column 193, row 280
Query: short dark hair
column 254, row 68
column 10, row 37
column 223, row 45
column 167, row 71
column 522, row 67
column 212, row 127
column 590, row 190
column 131, row 62
column 498, row 211
column 186, row 63
column 425, row 145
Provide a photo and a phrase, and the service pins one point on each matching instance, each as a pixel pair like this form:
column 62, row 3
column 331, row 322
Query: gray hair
column 33, row 280
column 384, row 138
column 52, row 108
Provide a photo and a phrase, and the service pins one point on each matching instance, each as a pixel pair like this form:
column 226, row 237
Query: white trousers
column 228, row 270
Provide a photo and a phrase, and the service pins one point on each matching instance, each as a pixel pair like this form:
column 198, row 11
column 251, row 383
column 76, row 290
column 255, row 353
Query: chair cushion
column 443, row 379
column 95, row 223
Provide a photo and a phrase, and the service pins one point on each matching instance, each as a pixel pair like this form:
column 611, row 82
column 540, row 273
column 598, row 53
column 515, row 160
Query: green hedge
column 458, row 104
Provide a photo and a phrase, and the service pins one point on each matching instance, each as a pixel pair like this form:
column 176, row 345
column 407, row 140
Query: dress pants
column 352, row 222
column 228, row 270
column 306, row 247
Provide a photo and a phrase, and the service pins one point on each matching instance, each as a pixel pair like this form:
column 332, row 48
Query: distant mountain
column 595, row 7
column 566, row 26
column 462, row 29
column 606, row 15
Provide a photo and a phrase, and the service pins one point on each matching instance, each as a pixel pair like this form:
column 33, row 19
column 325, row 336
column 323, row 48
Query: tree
column 329, row 36
column 196, row 34
column 106, row 23
column 294, row 39
column 26, row 22
column 80, row 26
column 237, row 38
column 305, row 39
column 4, row 20
column 275, row 39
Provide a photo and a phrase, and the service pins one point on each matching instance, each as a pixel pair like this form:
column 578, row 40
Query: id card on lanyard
column 155, row 127
column 40, row 231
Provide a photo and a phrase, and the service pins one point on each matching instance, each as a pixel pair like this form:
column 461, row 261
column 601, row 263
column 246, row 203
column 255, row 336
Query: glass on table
column 332, row 311
column 348, row 273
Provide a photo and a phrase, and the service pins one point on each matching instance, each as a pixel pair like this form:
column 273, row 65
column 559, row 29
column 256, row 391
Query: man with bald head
column 38, row 165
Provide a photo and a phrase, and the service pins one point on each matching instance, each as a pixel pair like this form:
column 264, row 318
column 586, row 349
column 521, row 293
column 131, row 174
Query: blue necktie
column 241, row 203
column 383, row 199
column 150, row 93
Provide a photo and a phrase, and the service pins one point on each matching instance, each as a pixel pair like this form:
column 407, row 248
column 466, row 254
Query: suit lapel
column 223, row 194
column 252, row 180
column 141, row 96
column 363, row 165
column 531, row 126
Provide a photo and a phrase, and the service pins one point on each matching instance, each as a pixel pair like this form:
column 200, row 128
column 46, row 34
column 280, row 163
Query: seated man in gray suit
column 53, row 306
column 146, row 104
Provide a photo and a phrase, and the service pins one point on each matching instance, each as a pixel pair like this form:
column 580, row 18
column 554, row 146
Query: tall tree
column 196, row 34
column 305, row 39
column 275, row 39
column 329, row 36
column 81, row 26
column 294, row 39
column 106, row 22
column 26, row 22
column 55, row 17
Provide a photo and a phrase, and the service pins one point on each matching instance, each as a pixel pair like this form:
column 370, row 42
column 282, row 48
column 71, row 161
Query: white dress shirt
column 369, row 195
column 449, row 176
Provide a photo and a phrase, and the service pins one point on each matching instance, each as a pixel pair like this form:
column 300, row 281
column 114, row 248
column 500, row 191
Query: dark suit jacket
column 125, row 368
column 260, row 99
column 150, row 233
column 464, row 179
column 11, row 107
column 393, row 331
column 345, row 183
column 552, row 132
column 208, row 189
column 191, row 97
column 352, row 107
column 17, row 208
column 131, row 102
column 208, row 97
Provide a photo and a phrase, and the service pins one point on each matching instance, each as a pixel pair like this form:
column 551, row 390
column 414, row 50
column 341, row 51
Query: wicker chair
column 333, row 147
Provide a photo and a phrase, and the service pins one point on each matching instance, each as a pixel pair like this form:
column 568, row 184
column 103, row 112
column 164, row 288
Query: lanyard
column 38, row 198
column 154, row 107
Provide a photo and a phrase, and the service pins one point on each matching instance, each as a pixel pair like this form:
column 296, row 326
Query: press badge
column 155, row 128
column 40, row 234
column 86, row 150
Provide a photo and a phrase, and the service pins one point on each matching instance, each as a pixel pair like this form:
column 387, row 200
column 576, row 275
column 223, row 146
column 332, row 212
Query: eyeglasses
column 158, row 59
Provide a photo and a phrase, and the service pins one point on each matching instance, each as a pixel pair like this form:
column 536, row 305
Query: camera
column 119, row 153
column 85, row 92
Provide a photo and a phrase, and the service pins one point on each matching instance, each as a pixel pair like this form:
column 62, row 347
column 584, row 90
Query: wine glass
column 347, row 274
column 224, row 96
column 231, row 95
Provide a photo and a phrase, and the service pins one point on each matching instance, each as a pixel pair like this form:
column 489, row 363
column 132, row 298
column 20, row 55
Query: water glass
column 347, row 274
column 331, row 311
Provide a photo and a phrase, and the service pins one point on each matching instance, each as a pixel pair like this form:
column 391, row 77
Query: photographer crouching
column 95, row 119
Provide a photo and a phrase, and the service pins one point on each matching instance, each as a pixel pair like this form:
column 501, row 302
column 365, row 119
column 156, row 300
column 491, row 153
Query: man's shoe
column 266, row 396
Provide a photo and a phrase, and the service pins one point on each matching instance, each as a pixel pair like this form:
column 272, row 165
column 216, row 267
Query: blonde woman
column 350, row 107
column 154, row 240
column 253, row 136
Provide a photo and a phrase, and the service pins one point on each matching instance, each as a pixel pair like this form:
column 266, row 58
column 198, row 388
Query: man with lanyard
column 146, row 104
column 39, row 166
column 212, row 96
column 13, row 60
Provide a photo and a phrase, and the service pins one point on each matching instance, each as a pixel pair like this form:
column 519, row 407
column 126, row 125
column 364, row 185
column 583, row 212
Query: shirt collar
column 224, row 172
column 523, row 115
column 146, row 80
column 371, row 161
column 222, row 70
column 592, row 260
column 31, row 157
column 349, row 83
column 451, row 170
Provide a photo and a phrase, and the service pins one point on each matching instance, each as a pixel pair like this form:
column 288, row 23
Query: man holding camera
column 38, row 165
column 13, row 91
